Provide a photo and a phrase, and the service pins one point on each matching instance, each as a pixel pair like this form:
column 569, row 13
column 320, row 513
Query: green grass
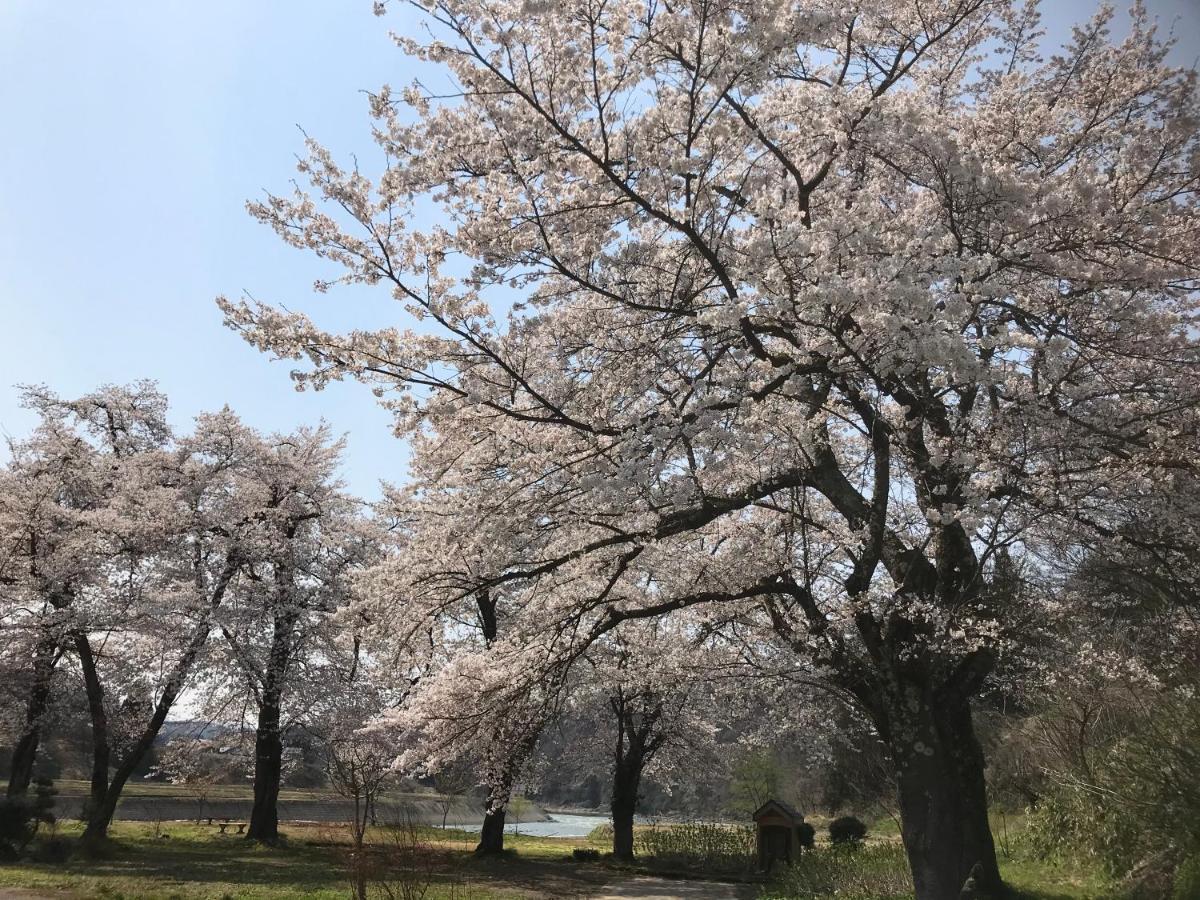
column 882, row 827
column 1035, row 879
column 879, row 871
column 190, row 862
column 187, row 862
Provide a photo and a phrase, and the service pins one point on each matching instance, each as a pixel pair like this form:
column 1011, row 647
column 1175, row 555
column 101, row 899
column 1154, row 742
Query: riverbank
column 159, row 802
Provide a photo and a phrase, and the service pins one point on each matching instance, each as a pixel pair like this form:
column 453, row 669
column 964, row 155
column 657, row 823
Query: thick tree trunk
column 943, row 799
column 626, row 780
column 25, row 752
column 268, row 741
column 491, row 836
column 268, row 770
column 637, row 715
column 100, row 815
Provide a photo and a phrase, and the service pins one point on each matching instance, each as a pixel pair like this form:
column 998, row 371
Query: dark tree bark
column 491, row 836
column 106, row 792
column 268, row 739
column 943, row 803
column 939, row 770
column 918, row 694
column 268, row 771
column 101, row 747
column 626, row 779
column 25, row 751
column 638, row 716
column 20, row 774
column 511, row 747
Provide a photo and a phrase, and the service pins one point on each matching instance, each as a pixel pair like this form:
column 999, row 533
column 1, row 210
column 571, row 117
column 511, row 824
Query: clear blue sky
column 132, row 134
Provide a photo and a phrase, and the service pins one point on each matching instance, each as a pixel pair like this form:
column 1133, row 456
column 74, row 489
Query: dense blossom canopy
column 837, row 299
column 822, row 309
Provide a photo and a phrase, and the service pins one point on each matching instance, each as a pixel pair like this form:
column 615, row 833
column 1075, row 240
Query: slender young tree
column 469, row 713
column 429, row 631
column 822, row 305
column 650, row 714
column 358, row 764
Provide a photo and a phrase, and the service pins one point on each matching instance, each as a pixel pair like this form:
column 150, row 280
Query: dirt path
column 645, row 888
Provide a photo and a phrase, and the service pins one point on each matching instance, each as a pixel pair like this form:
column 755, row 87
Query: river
column 560, row 825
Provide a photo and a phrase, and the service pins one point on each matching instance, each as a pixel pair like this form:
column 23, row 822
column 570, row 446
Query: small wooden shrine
column 779, row 828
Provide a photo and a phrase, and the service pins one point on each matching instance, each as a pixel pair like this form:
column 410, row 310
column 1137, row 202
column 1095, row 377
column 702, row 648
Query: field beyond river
column 161, row 802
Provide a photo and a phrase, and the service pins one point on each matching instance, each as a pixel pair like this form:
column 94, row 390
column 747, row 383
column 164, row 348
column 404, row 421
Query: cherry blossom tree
column 54, row 485
column 482, row 709
column 279, row 628
column 123, row 543
column 169, row 555
column 819, row 307
column 651, row 709
column 462, row 712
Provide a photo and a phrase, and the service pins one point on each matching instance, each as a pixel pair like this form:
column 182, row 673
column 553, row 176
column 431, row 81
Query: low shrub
column 1187, row 879
column 700, row 845
column 1133, row 807
column 21, row 816
column 601, row 834
column 1072, row 821
column 878, row 872
column 806, row 835
column 53, row 850
column 847, row 830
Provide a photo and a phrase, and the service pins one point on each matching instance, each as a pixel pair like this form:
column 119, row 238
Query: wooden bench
column 241, row 826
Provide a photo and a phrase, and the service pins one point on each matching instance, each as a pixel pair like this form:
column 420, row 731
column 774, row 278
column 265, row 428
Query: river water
column 560, row 825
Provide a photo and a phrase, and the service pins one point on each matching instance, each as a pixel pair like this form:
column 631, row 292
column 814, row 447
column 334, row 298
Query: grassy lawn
column 1053, row 880
column 1043, row 879
column 181, row 860
column 189, row 861
column 876, row 873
